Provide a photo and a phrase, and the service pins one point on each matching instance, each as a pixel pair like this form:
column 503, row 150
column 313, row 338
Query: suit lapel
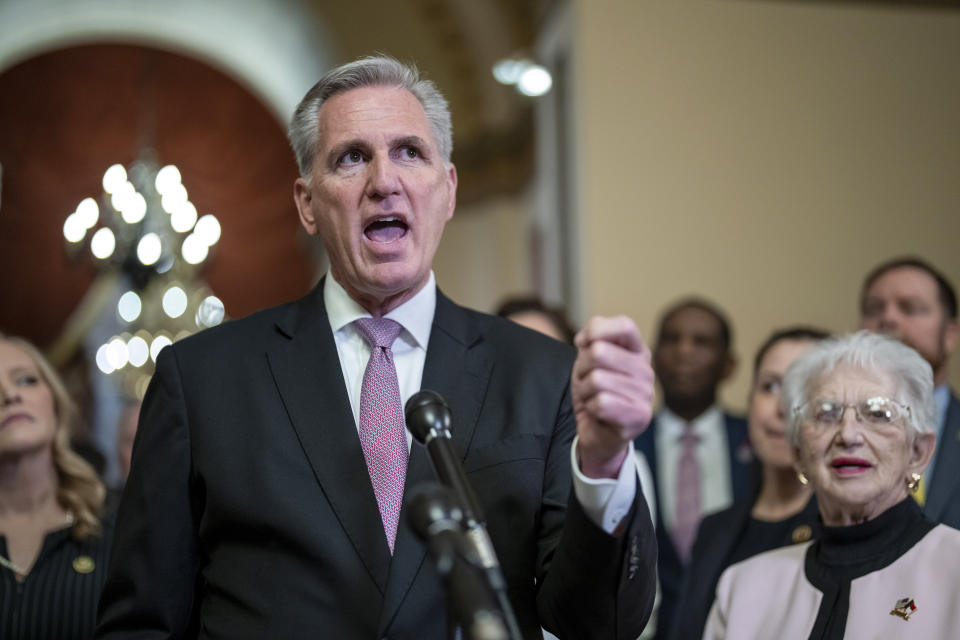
column 457, row 367
column 945, row 485
column 744, row 471
column 308, row 375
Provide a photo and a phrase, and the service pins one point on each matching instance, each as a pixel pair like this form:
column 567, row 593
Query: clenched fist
column 612, row 391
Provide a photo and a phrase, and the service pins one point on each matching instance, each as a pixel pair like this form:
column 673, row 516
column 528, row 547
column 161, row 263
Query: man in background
column 909, row 299
column 698, row 454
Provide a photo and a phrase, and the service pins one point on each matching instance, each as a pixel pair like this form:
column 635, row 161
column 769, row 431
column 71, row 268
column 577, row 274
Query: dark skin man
column 691, row 359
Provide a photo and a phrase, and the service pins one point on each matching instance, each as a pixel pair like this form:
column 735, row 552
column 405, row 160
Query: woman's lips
column 849, row 466
column 13, row 417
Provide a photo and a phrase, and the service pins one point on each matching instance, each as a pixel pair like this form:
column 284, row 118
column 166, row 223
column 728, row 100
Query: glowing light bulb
column 88, row 212
column 129, row 306
column 208, row 229
column 73, row 228
column 114, row 178
column 149, row 249
column 103, row 243
column 138, row 351
column 534, row 81
column 174, row 302
column 157, row 345
column 167, row 178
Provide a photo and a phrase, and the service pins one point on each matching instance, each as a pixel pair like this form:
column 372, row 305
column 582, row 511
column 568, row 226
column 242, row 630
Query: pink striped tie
column 382, row 432
column 688, row 495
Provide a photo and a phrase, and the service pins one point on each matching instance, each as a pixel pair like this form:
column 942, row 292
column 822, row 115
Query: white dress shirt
column 605, row 501
column 713, row 454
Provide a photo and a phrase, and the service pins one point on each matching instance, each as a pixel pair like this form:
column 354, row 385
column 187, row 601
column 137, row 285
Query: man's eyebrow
column 409, row 141
column 341, row 148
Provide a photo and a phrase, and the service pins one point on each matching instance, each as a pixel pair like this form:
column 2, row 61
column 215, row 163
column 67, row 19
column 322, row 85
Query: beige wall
column 483, row 255
column 764, row 154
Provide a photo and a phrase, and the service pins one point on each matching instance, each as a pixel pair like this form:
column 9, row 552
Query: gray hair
column 374, row 71
column 873, row 354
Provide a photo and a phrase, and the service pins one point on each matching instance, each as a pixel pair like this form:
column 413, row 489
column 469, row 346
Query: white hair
column 374, row 71
column 874, row 354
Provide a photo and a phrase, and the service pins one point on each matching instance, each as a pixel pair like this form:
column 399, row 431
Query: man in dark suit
column 912, row 301
column 267, row 497
column 698, row 454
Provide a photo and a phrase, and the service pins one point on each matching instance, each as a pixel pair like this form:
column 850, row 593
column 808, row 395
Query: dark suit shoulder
column 724, row 520
column 515, row 342
column 234, row 337
column 735, row 422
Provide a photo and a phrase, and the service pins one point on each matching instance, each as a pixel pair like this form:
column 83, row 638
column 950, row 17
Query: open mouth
column 386, row 230
column 850, row 466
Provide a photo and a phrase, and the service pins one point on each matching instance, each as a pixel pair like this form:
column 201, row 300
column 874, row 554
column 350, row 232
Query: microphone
column 428, row 419
column 436, row 519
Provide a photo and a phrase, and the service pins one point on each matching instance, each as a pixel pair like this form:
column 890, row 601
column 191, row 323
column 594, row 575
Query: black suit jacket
column 744, row 478
column 717, row 539
column 249, row 512
column 943, row 494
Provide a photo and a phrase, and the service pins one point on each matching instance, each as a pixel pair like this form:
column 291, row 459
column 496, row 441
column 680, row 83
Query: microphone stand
column 436, row 519
column 428, row 419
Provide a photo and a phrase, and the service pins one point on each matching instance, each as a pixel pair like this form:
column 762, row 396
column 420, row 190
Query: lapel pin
column 905, row 608
column 801, row 534
column 83, row 564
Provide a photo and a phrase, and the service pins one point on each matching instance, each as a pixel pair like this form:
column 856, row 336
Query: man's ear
column 303, row 198
column 922, row 452
column 452, row 182
column 951, row 335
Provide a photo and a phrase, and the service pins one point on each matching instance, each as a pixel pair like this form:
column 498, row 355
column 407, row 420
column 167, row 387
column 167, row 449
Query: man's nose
column 889, row 319
column 382, row 178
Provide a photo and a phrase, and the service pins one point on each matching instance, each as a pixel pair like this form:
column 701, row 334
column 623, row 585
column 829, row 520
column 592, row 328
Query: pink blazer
column 768, row 595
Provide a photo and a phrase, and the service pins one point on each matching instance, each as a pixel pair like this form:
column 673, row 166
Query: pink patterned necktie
column 382, row 432
column 688, row 495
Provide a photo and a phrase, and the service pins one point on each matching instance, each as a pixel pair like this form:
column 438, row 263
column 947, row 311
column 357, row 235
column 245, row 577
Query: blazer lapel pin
column 904, row 608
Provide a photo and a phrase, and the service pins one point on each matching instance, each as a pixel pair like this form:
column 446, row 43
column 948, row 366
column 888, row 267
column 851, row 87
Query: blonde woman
column 53, row 548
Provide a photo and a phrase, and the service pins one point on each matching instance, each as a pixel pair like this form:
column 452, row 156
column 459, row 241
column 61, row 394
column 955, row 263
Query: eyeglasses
column 876, row 412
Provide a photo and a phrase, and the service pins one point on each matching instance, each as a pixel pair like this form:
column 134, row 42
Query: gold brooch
column 83, row 564
column 801, row 534
column 905, row 608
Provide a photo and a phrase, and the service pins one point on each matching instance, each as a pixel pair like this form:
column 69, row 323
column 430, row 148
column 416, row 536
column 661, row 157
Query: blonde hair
column 79, row 489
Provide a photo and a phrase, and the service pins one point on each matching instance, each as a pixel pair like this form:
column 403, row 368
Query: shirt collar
column 415, row 315
column 941, row 400
column 702, row 424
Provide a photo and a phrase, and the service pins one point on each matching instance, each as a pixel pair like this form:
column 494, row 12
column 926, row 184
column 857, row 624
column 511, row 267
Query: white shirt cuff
column 605, row 501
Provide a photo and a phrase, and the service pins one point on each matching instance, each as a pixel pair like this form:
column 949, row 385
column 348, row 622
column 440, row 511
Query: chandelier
column 144, row 227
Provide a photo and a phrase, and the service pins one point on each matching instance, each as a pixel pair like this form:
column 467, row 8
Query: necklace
column 19, row 572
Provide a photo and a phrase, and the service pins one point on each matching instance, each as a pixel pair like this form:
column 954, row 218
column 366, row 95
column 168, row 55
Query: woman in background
column 781, row 512
column 53, row 544
column 860, row 416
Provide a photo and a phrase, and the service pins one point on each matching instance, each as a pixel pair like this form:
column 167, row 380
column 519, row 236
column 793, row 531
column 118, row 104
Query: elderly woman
column 860, row 413
column 53, row 554
column 781, row 512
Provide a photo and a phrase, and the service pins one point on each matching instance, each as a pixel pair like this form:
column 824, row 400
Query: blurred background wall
column 764, row 154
